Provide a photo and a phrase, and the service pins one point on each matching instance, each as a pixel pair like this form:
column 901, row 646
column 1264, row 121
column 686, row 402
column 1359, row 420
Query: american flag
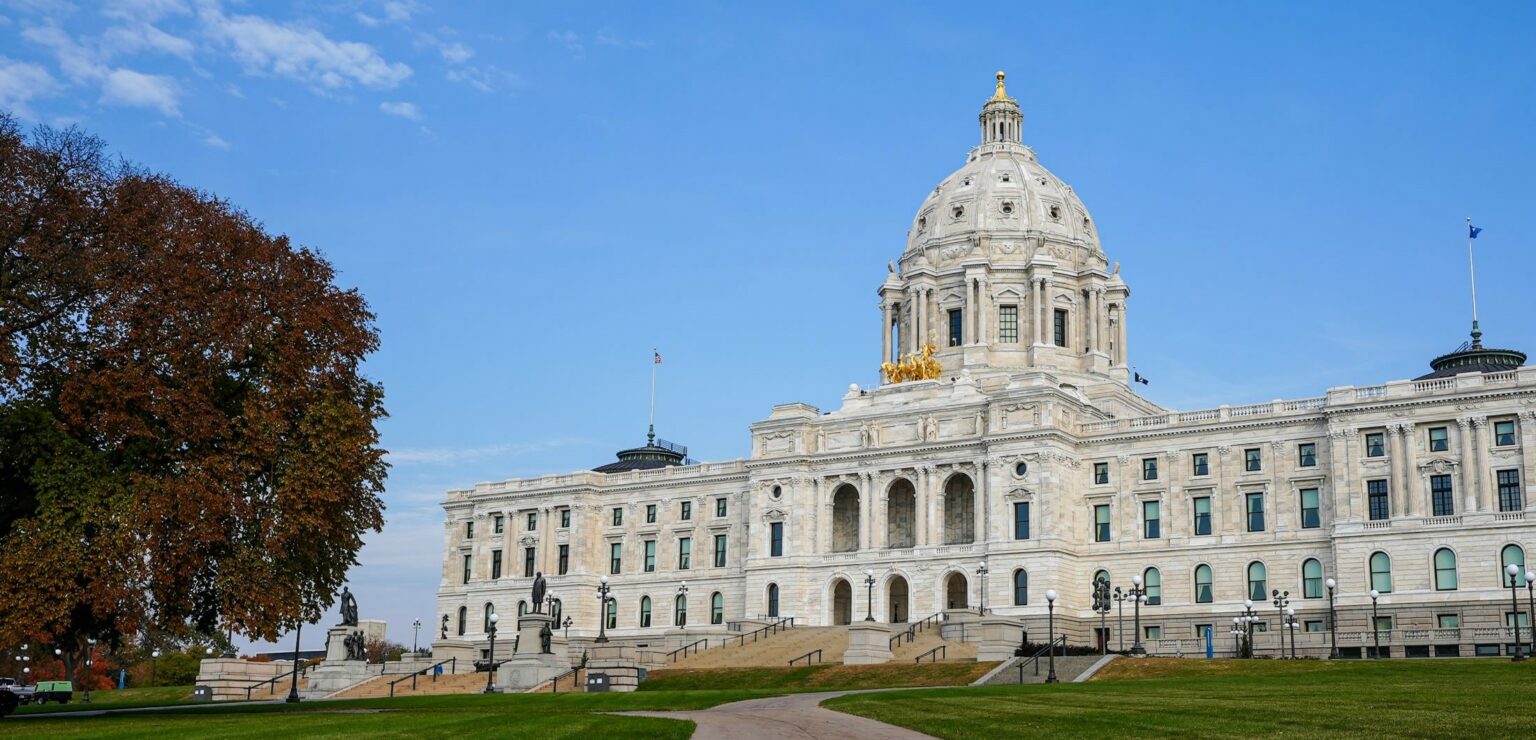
column 657, row 359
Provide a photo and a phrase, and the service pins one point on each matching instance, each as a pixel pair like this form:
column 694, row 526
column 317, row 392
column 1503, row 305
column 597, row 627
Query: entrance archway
column 901, row 514
column 845, row 519
column 842, row 602
column 959, row 510
column 957, row 592
column 896, row 596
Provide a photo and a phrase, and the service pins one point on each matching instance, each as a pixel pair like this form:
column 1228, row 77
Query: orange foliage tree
column 187, row 440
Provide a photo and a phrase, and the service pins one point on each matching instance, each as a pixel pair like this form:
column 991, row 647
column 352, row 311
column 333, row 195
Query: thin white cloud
column 76, row 61
column 455, row 53
column 139, row 90
column 20, row 82
column 143, row 37
column 367, row 20
column 146, row 11
column 609, row 38
column 571, row 41
column 400, row 11
column 263, row 46
column 486, row 79
column 408, row 111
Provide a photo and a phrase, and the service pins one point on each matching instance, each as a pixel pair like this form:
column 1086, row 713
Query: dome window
column 966, row 182
column 1055, row 213
column 1007, row 177
column 777, row 492
column 958, row 211
column 922, row 222
column 1007, row 208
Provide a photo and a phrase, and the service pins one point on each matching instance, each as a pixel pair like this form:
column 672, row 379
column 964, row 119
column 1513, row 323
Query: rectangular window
column 1201, row 629
column 1448, row 621
column 685, row 553
column 956, row 327
column 495, row 564
column 618, row 517
column 1252, row 462
column 1375, row 444
column 565, row 518
column 685, row 511
column 1311, row 517
column 1151, row 518
column 1313, row 625
column 1439, row 439
column 720, row 507
column 1255, row 512
column 650, row 556
column 1149, row 468
column 466, row 568
column 497, row 524
column 1201, row 463
column 469, row 530
column 719, row 551
column 1306, row 455
column 1008, row 324
column 528, row 555
column 1509, row 490
column 533, row 521
column 615, row 557
column 1152, row 632
column 1202, row 514
column 1513, row 618
column 1100, row 473
column 776, row 539
column 565, row 559
column 1021, row 521
column 1059, row 327
column 1101, row 523
column 1504, row 433
column 1441, row 500
column 1376, row 499
column 650, row 513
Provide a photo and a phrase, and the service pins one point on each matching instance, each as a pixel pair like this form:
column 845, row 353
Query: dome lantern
column 1001, row 119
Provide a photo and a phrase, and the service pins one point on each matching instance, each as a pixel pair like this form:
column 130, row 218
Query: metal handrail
column 764, row 631
column 926, row 622
column 807, row 657
column 273, row 680
column 672, row 656
column 940, row 650
column 452, row 669
column 554, row 683
column 1038, row 654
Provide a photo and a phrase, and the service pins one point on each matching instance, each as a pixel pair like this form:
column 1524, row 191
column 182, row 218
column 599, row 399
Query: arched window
column 1152, row 581
column 1203, row 593
column 1100, row 575
column 1311, row 579
column 1445, row 570
column 555, row 611
column 1511, row 555
column 1258, row 581
column 1381, row 572
column 1020, row 588
column 680, row 611
column 773, row 601
column 613, row 613
column 463, row 618
column 716, row 608
column 485, row 621
column 522, row 608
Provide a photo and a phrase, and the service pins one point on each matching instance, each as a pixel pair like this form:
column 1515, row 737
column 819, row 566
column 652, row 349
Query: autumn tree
column 187, row 440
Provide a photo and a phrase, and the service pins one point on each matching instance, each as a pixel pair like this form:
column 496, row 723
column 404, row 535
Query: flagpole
column 1472, row 272
column 650, row 434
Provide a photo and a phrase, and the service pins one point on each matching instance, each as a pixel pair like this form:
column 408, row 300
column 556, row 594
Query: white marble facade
column 919, row 481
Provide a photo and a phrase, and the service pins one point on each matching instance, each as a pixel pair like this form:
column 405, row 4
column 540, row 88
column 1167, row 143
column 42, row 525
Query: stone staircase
column 1068, row 668
column 776, row 650
column 954, row 651
column 450, row 683
column 573, row 681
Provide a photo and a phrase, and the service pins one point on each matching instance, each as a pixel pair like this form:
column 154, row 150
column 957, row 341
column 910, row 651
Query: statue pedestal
column 336, row 643
column 868, row 642
column 529, row 666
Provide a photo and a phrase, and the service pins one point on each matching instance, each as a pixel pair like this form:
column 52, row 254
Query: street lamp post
column 1050, row 608
column 1282, row 600
column 1376, row 624
column 981, row 571
column 154, row 659
column 490, row 668
column 1101, row 605
column 1514, row 599
column 1290, row 624
column 1120, row 598
column 415, row 634
column 869, row 591
column 1249, row 617
column 1138, row 594
column 567, row 625
column 90, row 655
column 1333, row 634
column 293, row 687
column 1530, row 598
column 1237, row 637
column 602, row 607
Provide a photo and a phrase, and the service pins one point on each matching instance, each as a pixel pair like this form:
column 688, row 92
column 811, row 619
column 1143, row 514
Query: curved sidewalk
column 795, row 716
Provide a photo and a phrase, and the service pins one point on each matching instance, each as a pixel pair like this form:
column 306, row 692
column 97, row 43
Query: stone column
column 1340, row 492
column 1124, row 355
column 1281, row 496
column 983, row 311
column 1527, row 457
column 866, row 510
column 885, row 331
column 967, row 331
column 1413, row 483
column 823, row 509
column 878, row 526
column 1480, row 464
column 1090, row 303
column 1463, row 444
column 920, row 507
column 979, row 510
column 1047, row 326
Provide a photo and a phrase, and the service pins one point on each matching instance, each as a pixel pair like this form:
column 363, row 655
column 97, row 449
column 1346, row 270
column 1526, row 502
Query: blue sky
column 534, row 196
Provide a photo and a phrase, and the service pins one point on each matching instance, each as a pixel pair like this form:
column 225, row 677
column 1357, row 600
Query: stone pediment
column 775, row 515
column 1438, row 465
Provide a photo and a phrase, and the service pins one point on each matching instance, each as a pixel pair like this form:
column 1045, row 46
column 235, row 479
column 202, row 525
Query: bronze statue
column 538, row 592
column 356, row 645
column 445, row 627
column 348, row 608
column 546, row 636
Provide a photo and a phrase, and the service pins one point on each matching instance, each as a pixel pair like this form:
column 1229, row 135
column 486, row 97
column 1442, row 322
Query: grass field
column 827, row 677
column 154, row 696
column 1231, row 698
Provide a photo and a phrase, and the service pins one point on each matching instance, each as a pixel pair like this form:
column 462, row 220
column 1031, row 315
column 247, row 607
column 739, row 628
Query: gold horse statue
column 913, row 366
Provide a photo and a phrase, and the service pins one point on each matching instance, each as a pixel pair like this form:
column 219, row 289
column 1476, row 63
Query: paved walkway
column 796, row 716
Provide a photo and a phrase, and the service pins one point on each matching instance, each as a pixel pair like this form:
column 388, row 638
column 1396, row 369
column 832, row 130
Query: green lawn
column 153, row 696
column 825, row 677
column 1195, row 698
column 501, row 715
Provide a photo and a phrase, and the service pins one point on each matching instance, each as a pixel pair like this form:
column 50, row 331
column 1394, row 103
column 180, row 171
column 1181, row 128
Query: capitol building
column 1007, row 453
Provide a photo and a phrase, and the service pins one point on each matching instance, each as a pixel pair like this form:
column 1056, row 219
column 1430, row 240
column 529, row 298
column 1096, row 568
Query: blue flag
column 1473, row 231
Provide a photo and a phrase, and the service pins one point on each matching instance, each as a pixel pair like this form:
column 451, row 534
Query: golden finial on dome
column 1002, row 92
